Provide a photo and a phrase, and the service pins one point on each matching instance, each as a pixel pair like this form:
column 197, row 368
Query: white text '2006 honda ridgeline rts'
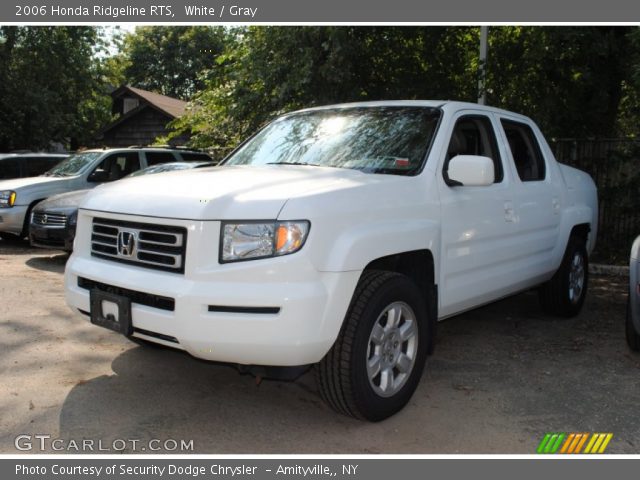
column 337, row 236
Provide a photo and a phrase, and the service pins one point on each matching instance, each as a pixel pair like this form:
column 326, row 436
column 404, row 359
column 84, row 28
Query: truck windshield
column 390, row 140
column 73, row 165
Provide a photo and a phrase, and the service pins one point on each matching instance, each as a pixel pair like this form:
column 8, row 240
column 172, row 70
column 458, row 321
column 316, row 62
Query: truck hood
column 65, row 201
column 16, row 183
column 218, row 193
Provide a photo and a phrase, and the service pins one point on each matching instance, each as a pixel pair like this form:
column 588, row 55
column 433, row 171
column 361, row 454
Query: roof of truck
column 451, row 105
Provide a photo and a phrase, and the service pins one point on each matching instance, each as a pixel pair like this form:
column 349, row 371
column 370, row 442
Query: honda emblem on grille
column 126, row 243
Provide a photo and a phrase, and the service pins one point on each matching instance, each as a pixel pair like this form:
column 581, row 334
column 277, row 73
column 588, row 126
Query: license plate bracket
column 121, row 323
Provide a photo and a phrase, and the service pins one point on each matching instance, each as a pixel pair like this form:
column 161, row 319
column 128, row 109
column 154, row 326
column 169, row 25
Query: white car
column 633, row 308
column 337, row 236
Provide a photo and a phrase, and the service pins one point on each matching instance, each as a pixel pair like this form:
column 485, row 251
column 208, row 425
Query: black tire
column 27, row 220
column 10, row 237
column 558, row 296
column 633, row 337
column 342, row 375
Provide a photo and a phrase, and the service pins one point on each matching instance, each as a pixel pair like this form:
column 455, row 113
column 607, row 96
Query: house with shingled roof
column 140, row 117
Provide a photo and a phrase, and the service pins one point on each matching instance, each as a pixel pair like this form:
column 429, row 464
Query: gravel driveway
column 501, row 377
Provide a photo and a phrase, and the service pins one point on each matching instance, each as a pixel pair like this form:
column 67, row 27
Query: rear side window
column 119, row 165
column 154, row 158
column 9, row 168
column 38, row 165
column 474, row 135
column 195, row 157
column 525, row 151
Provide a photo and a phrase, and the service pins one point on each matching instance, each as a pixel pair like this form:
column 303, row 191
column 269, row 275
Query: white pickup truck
column 337, row 236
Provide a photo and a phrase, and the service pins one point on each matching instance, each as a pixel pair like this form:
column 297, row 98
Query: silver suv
column 81, row 171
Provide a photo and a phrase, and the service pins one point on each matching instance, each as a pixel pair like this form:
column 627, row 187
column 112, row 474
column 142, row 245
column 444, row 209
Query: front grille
column 49, row 219
column 147, row 245
column 141, row 298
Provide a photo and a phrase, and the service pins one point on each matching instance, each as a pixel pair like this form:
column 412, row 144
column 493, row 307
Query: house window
column 129, row 104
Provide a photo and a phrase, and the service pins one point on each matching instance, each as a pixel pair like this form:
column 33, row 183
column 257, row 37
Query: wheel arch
column 27, row 217
column 419, row 266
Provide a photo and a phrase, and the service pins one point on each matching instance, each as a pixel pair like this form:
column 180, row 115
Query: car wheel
column 10, row 237
column 564, row 294
column 633, row 337
column 377, row 360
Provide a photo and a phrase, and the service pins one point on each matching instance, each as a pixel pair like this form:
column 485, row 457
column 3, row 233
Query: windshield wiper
column 295, row 163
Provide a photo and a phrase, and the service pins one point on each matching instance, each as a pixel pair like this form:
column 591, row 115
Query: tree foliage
column 54, row 81
column 569, row 79
column 574, row 81
column 169, row 60
column 267, row 70
column 50, row 87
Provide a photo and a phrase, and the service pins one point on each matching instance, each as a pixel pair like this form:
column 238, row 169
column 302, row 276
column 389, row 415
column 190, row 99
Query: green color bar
column 543, row 443
column 561, row 437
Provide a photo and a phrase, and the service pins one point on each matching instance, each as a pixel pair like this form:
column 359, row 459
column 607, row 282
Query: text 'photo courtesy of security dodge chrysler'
column 337, row 237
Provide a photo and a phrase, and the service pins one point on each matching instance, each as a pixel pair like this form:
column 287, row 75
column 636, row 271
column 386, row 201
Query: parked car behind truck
column 81, row 171
column 336, row 237
column 53, row 221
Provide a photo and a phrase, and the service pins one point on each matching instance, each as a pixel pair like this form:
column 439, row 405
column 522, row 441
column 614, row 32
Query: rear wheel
column 633, row 337
column 564, row 294
column 376, row 363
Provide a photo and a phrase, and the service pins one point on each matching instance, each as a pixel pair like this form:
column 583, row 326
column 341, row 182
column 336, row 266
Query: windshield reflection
column 371, row 139
column 73, row 165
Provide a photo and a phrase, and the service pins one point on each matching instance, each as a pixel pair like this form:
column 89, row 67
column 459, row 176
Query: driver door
column 478, row 223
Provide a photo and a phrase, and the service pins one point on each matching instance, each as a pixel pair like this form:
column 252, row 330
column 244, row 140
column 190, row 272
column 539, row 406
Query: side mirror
column 470, row 171
column 98, row 176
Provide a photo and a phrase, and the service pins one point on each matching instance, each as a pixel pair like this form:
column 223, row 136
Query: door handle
column 555, row 204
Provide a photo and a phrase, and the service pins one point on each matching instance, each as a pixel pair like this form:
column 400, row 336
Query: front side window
column 116, row 166
column 525, row 151
column 392, row 140
column 474, row 135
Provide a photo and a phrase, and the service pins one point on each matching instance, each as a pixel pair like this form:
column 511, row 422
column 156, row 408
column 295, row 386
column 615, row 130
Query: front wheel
column 376, row 363
column 564, row 294
column 10, row 237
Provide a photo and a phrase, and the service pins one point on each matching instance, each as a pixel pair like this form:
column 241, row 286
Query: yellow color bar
column 594, row 437
column 606, row 441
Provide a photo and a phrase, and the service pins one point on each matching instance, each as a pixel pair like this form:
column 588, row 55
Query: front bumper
column 276, row 312
column 12, row 219
column 52, row 237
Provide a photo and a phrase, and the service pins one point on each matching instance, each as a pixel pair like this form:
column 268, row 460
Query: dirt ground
column 501, row 377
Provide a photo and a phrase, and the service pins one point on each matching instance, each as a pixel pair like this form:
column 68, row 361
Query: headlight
column 253, row 240
column 7, row 198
